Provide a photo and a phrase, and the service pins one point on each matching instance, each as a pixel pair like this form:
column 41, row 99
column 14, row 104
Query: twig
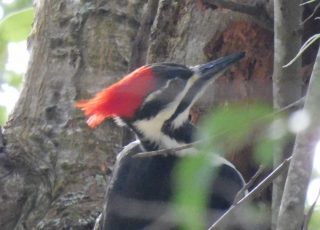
column 253, row 193
column 310, row 212
column 165, row 152
column 293, row 104
column 311, row 15
column 307, row 2
column 256, row 10
column 241, row 192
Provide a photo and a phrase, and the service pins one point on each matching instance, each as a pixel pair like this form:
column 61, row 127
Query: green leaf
column 231, row 126
column 315, row 220
column 3, row 115
column 13, row 79
column 17, row 26
column 192, row 176
column 264, row 150
column 3, row 53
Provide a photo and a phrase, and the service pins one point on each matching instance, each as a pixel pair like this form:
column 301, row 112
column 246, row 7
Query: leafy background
column 15, row 26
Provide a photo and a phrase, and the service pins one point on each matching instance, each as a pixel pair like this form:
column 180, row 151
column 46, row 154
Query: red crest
column 121, row 99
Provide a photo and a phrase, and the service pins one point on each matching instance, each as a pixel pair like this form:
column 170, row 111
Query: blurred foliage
column 3, row 114
column 190, row 201
column 231, row 128
column 13, row 79
column 234, row 122
column 315, row 220
column 15, row 6
column 15, row 26
column 228, row 128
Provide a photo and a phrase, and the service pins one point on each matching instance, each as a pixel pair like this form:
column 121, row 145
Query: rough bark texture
column 260, row 10
column 291, row 213
column 287, row 82
column 59, row 166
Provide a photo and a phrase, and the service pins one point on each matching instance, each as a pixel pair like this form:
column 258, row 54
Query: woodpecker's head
column 155, row 96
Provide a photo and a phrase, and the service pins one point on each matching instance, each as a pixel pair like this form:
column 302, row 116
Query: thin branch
column 166, row 152
column 311, row 15
column 298, row 102
column 303, row 48
column 241, row 192
column 253, row 193
column 310, row 212
column 308, row 2
column 257, row 11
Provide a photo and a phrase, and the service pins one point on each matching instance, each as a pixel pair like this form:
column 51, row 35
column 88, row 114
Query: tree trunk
column 287, row 82
column 291, row 213
column 58, row 166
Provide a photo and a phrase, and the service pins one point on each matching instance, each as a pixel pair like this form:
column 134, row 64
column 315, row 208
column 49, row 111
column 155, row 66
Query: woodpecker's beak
column 207, row 73
column 213, row 68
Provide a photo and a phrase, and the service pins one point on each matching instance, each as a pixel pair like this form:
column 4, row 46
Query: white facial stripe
column 151, row 128
column 119, row 121
column 180, row 96
column 182, row 117
column 156, row 93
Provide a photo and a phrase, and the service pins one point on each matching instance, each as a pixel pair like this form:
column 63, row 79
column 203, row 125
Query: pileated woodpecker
column 154, row 101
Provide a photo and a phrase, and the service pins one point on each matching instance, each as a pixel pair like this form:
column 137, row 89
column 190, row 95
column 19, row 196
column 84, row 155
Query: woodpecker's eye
column 176, row 84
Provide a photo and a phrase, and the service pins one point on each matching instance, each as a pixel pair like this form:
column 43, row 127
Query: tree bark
column 287, row 82
column 58, row 166
column 291, row 214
